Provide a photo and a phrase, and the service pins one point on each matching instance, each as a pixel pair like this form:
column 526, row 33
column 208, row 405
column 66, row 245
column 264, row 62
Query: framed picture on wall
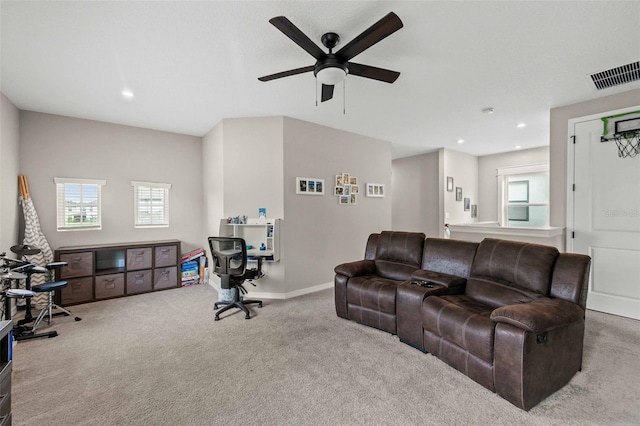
column 309, row 186
column 474, row 210
column 458, row 193
column 375, row 190
column 449, row 184
column 467, row 204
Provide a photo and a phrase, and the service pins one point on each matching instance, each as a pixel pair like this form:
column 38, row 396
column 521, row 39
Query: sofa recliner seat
column 365, row 291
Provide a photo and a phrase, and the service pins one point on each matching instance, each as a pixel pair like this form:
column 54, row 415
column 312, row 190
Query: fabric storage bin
column 139, row 281
column 78, row 290
column 111, row 285
column 139, row 258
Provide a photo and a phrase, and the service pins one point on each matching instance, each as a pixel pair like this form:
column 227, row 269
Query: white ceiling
column 192, row 64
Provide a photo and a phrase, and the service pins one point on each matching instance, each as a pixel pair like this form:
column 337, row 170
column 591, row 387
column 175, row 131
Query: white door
column 607, row 220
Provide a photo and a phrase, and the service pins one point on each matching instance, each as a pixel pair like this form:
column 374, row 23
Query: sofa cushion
column 505, row 271
column 462, row 321
column 398, row 254
column 451, row 257
column 378, row 294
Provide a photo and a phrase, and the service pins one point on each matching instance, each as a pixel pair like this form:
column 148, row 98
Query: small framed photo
column 344, row 200
column 449, row 184
column 346, row 190
column 352, row 199
column 458, row 193
column 474, row 210
column 309, row 186
column 338, row 190
column 339, row 180
column 355, row 189
column 375, row 190
column 353, row 180
column 467, row 204
column 345, row 178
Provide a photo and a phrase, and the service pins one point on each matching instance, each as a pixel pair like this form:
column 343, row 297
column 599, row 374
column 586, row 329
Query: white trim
column 151, row 184
column 100, row 182
column 571, row 124
column 215, row 283
column 521, row 170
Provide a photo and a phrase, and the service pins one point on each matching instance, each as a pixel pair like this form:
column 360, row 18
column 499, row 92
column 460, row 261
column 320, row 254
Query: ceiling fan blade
column 372, row 35
column 374, row 73
column 298, row 37
column 327, row 92
column 286, row 73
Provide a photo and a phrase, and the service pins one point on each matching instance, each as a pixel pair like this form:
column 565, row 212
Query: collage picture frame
column 346, row 189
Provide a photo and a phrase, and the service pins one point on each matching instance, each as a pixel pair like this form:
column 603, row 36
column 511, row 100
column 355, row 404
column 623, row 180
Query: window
column 78, row 203
column 524, row 196
column 151, row 201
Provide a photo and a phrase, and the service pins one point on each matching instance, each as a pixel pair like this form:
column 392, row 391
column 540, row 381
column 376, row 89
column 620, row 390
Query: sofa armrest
column 540, row 315
column 357, row 268
column 445, row 280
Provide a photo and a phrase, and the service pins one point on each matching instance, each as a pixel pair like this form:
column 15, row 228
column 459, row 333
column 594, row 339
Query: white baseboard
column 281, row 296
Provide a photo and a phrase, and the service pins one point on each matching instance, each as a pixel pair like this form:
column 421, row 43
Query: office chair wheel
column 247, row 317
column 77, row 319
column 217, row 318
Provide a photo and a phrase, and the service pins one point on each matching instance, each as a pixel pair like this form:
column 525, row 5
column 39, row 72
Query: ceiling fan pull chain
column 316, row 91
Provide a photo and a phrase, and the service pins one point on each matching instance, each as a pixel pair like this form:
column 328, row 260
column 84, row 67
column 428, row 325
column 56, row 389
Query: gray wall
column 464, row 170
column 414, row 184
column 258, row 159
column 318, row 232
column 9, row 170
column 488, row 181
column 55, row 146
column 559, row 140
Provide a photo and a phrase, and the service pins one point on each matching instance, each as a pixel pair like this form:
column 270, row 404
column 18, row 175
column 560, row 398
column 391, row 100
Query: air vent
column 615, row 76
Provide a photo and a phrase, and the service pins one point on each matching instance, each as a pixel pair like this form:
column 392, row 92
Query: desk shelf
column 256, row 233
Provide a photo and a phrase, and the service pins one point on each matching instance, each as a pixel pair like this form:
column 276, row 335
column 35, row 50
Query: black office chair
column 230, row 264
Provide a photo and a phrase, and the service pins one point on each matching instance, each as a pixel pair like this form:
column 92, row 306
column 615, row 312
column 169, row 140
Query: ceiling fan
column 332, row 68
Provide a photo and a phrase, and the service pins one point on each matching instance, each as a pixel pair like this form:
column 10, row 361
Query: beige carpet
column 160, row 359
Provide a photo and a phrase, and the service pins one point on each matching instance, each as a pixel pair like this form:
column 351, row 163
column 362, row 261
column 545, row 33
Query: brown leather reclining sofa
column 510, row 315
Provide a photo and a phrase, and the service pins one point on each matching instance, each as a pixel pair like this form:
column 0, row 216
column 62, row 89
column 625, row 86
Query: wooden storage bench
column 115, row 270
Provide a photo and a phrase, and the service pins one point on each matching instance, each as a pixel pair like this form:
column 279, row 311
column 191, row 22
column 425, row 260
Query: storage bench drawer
column 78, row 290
column 79, row 264
column 139, row 258
column 166, row 256
column 165, row 278
column 139, row 281
column 111, row 285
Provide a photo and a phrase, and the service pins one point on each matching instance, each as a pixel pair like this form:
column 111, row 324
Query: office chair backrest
column 229, row 255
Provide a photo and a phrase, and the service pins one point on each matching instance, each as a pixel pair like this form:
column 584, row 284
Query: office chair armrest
column 357, row 268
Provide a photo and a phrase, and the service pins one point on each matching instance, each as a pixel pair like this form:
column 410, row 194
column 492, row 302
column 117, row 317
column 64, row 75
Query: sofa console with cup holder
column 509, row 315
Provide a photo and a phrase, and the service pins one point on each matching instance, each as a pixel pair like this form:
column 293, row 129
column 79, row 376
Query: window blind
column 151, row 201
column 78, row 203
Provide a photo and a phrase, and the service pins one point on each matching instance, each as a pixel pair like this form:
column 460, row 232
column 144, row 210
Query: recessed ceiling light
column 488, row 111
column 127, row 94
column 518, row 147
column 520, row 125
column 461, row 141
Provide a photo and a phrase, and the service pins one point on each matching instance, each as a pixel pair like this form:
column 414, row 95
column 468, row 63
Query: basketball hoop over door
column 626, row 134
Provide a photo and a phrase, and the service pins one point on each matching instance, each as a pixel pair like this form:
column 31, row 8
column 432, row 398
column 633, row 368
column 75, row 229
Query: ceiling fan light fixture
column 331, row 75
